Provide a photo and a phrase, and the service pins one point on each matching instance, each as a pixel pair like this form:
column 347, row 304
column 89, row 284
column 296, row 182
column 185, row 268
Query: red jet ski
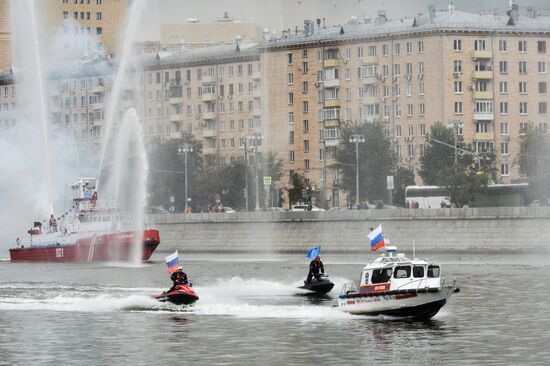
column 182, row 295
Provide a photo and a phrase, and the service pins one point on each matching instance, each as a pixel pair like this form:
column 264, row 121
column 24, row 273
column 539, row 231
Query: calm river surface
column 250, row 313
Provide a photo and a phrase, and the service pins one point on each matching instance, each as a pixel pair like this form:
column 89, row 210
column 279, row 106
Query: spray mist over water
column 126, row 51
column 129, row 177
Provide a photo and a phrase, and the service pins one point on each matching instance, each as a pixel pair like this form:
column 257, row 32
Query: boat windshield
column 402, row 272
column 418, row 271
column 433, row 271
column 381, row 275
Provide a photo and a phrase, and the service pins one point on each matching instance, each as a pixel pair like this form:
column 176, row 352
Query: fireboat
column 92, row 230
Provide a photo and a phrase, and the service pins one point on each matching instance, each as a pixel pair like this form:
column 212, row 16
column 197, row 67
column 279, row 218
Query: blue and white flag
column 313, row 252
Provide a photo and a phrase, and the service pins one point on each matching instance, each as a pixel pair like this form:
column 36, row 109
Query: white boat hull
column 420, row 303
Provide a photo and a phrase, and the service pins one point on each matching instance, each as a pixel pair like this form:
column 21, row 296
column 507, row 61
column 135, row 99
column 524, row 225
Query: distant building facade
column 5, row 44
column 487, row 73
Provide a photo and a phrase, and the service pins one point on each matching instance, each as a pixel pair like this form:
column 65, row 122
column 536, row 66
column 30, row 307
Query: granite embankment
column 505, row 229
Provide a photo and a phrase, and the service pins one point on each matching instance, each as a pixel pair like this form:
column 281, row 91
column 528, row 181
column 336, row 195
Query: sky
column 282, row 14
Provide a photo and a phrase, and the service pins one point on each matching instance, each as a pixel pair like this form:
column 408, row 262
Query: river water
column 250, row 313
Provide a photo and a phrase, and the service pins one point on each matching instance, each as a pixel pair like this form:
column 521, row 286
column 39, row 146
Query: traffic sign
column 390, row 183
column 267, row 181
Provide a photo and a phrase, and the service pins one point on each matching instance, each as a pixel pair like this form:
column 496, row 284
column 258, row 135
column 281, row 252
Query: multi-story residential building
column 5, row 50
column 488, row 72
column 213, row 93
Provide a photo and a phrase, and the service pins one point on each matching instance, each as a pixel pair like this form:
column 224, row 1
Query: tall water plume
column 127, row 41
column 128, row 180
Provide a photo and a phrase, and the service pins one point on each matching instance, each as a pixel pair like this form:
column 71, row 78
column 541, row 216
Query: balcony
column 208, row 79
column 208, row 97
column 332, row 83
column 332, row 62
column 257, row 112
column 484, row 116
column 370, row 79
column 370, row 60
column 484, row 136
column 371, row 100
column 332, row 103
column 482, row 54
column 175, row 135
column 257, row 93
column 209, row 150
column 256, row 75
column 486, row 74
column 209, row 115
column 331, row 123
column 176, row 117
column 98, row 89
column 331, row 142
column 483, row 95
column 176, row 100
column 208, row 133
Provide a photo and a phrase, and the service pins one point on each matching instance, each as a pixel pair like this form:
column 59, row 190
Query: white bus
column 428, row 196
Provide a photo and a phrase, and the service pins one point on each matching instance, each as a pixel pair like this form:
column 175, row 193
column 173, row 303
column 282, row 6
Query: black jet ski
column 321, row 285
column 182, row 295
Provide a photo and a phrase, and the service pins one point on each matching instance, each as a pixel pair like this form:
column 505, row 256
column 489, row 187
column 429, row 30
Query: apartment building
column 487, row 74
column 213, row 93
column 5, row 47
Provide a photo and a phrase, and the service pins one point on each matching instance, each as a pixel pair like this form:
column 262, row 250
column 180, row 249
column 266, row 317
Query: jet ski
column 182, row 295
column 321, row 285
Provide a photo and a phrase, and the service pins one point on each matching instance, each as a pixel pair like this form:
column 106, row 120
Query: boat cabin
column 393, row 271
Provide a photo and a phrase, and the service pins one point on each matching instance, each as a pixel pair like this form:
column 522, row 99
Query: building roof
column 441, row 21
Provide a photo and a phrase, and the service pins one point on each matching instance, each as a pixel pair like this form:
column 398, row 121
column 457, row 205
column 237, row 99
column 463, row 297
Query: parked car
column 228, row 209
column 158, row 210
column 298, row 208
column 276, row 209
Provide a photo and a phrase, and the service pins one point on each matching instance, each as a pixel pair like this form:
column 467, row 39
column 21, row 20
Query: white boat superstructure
column 398, row 286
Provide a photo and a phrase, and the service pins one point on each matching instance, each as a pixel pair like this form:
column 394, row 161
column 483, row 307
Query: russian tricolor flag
column 376, row 239
column 173, row 262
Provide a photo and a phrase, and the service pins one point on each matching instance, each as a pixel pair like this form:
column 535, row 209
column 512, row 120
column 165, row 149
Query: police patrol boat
column 394, row 285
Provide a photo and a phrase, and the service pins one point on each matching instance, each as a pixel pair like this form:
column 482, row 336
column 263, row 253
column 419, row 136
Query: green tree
column 376, row 160
column 297, row 186
column 467, row 178
column 534, row 162
column 402, row 178
column 167, row 172
column 271, row 166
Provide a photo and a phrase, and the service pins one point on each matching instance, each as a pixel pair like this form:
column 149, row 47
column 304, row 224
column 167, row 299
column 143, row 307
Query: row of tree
column 447, row 161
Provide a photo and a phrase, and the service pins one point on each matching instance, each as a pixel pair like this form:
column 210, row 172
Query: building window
column 542, row 67
column 458, row 108
column 290, row 79
column 502, row 46
column 503, row 107
column 523, row 67
column 503, row 87
column 306, row 164
column 523, row 108
column 523, row 87
column 306, row 106
column 306, row 146
column 542, row 87
column 99, row 31
column 398, row 131
column 289, row 58
column 522, row 46
column 504, row 170
column 523, row 127
column 457, row 66
column 458, row 87
column 98, row 16
column 421, row 109
column 422, row 129
column 290, row 118
column 408, row 48
column 291, row 137
column 542, row 108
column 457, row 45
column 290, row 98
column 503, row 67
column 305, row 67
column 481, row 127
column 291, row 155
column 479, row 45
column 397, row 49
column 541, row 46
column 305, row 87
column 420, row 46
column 306, row 126
column 504, row 128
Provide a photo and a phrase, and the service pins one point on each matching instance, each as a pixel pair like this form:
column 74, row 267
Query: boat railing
column 98, row 205
column 419, row 285
column 349, row 288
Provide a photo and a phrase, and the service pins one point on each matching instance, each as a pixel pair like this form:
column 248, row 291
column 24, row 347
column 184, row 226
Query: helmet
column 175, row 275
column 318, row 257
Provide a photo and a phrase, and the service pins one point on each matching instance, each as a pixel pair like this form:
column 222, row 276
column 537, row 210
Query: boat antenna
column 414, row 251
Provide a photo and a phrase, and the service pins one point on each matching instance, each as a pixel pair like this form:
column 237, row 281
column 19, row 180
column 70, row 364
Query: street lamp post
column 251, row 142
column 256, row 139
column 245, row 148
column 357, row 139
column 455, row 125
column 184, row 149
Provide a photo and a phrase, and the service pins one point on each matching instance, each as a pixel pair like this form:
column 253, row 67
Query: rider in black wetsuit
column 315, row 267
column 179, row 278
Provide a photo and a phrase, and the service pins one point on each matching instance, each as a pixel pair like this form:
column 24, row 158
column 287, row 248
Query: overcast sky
column 283, row 14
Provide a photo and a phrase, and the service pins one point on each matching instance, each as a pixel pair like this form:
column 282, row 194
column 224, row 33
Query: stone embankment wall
column 505, row 229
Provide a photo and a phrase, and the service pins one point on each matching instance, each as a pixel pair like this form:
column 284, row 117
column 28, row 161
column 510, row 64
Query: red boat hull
column 102, row 248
